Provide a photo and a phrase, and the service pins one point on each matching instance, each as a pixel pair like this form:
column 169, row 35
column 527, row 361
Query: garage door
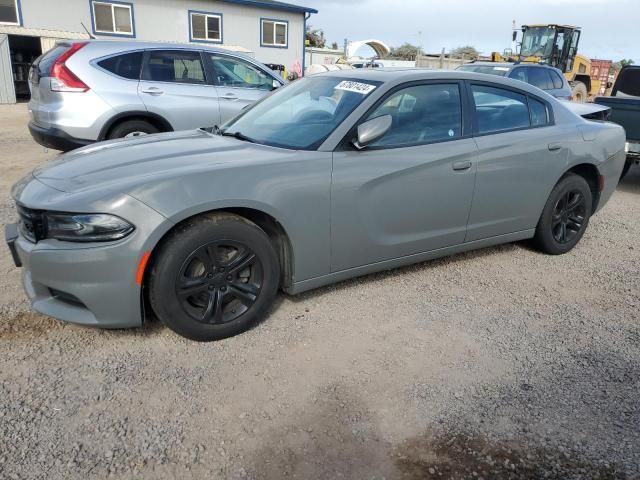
column 7, row 89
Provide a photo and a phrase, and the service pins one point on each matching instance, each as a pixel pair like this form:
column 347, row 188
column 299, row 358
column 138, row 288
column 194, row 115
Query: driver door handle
column 229, row 96
column 462, row 165
column 152, row 91
column 554, row 146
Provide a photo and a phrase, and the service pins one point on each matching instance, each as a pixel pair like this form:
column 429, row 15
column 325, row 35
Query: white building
column 271, row 31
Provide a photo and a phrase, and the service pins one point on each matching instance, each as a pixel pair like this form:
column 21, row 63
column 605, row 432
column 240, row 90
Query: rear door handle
column 554, row 146
column 463, row 165
column 152, row 91
column 230, row 96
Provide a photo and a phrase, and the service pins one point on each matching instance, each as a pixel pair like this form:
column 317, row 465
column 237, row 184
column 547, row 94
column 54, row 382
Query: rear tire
column 580, row 92
column 214, row 277
column 565, row 216
column 132, row 128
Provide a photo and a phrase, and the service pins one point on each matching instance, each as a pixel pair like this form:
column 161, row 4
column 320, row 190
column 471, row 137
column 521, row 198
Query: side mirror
column 372, row 130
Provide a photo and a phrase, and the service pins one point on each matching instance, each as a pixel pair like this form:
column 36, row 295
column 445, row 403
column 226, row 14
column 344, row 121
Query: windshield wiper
column 238, row 135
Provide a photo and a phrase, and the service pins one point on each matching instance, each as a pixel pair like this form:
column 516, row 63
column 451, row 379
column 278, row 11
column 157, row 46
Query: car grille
column 31, row 223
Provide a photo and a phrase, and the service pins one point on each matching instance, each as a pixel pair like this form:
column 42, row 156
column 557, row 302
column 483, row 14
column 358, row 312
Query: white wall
column 322, row 56
column 167, row 20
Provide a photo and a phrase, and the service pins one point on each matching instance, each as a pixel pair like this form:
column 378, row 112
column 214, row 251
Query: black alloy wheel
column 219, row 282
column 568, row 216
column 213, row 276
column 565, row 216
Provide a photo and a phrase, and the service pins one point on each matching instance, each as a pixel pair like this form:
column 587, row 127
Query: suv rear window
column 127, row 65
column 46, row 61
column 628, row 84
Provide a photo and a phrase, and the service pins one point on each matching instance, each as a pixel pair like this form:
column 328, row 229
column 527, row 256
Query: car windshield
column 301, row 115
column 490, row 69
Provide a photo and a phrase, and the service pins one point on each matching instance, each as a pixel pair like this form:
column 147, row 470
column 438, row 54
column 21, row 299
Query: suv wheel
column 132, row 128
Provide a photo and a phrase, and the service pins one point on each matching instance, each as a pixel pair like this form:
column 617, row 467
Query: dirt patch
column 27, row 326
column 471, row 456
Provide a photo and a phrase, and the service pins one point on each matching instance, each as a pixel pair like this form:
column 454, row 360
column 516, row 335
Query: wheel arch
column 268, row 223
column 583, row 78
column 591, row 174
column 156, row 120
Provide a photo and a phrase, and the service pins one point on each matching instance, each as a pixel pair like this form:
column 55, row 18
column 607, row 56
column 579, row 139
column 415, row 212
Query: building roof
column 274, row 5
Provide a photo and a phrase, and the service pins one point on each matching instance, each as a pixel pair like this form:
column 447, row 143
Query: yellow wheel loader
column 556, row 45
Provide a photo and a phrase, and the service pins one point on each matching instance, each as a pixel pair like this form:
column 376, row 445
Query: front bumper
column 55, row 138
column 90, row 284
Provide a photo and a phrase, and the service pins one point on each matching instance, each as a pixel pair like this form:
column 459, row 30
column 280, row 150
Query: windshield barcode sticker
column 357, row 87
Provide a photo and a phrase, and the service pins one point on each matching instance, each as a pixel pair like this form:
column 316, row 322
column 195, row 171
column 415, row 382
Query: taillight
column 63, row 79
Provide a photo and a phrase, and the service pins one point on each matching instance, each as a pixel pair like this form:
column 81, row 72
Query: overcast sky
column 610, row 28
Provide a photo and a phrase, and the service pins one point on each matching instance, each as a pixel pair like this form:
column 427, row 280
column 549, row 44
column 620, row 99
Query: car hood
column 123, row 164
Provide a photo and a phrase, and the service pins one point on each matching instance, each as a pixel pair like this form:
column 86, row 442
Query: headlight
column 90, row 227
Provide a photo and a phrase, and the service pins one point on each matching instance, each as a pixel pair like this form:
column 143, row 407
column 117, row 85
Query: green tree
column 334, row 46
column 617, row 66
column 315, row 37
column 467, row 52
column 406, row 51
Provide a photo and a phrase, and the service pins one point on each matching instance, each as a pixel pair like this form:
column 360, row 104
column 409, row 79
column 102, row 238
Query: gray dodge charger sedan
column 334, row 176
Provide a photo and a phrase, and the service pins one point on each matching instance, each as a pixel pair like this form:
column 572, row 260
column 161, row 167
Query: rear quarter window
column 539, row 113
column 127, row 65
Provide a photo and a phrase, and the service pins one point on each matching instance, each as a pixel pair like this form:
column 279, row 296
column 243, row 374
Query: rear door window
column 176, row 66
column 498, row 109
column 127, row 65
column 520, row 74
column 539, row 77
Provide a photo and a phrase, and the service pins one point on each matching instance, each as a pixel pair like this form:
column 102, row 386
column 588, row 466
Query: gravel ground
column 500, row 363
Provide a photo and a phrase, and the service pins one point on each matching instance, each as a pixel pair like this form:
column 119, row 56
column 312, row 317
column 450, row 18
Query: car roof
column 407, row 74
column 138, row 45
column 510, row 64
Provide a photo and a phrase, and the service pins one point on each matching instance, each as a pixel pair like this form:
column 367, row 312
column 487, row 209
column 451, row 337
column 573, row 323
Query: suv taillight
column 63, row 79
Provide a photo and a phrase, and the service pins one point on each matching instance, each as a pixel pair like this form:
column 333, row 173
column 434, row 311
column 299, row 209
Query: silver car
column 545, row 77
column 336, row 175
column 83, row 92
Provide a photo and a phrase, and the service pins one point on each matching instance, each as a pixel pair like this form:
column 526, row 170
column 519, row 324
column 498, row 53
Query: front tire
column 565, row 216
column 214, row 277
